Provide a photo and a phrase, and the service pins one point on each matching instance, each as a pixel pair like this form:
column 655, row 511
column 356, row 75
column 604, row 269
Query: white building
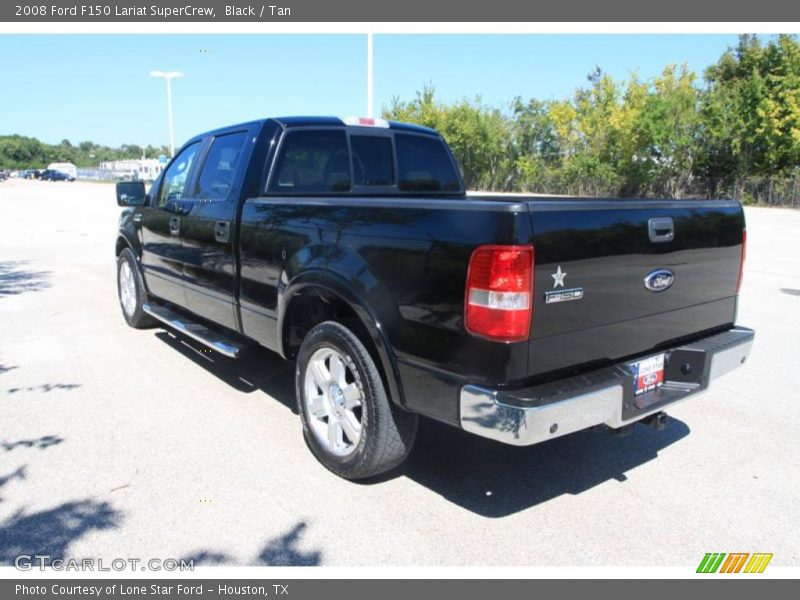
column 146, row 169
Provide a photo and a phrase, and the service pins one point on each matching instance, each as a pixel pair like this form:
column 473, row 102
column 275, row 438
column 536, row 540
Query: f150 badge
column 562, row 295
column 659, row 280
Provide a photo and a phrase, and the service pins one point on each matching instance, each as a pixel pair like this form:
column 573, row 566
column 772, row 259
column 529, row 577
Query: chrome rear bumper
column 604, row 397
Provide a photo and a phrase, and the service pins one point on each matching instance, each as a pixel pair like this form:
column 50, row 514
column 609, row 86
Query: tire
column 131, row 292
column 386, row 432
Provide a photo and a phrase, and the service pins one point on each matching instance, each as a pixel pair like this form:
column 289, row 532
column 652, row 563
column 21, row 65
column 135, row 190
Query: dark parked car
column 52, row 175
column 351, row 248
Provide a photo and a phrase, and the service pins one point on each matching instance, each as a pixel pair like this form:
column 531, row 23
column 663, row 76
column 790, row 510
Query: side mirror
column 131, row 193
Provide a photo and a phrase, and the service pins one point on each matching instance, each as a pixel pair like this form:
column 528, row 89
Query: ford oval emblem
column 659, row 280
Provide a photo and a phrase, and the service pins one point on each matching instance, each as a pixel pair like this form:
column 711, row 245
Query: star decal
column 558, row 278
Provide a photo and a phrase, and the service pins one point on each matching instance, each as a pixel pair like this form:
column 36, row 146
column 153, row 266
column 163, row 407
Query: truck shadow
column 259, row 370
column 486, row 477
column 496, row 480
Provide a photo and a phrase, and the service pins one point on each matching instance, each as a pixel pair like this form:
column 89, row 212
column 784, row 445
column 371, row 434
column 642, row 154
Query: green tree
column 667, row 132
column 751, row 110
column 20, row 152
column 478, row 135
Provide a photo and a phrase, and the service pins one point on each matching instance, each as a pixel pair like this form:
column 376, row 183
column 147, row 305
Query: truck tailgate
column 601, row 252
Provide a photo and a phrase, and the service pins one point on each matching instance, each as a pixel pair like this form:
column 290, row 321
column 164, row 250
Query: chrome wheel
column 127, row 288
column 334, row 401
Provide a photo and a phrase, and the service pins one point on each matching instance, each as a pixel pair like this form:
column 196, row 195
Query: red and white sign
column 648, row 374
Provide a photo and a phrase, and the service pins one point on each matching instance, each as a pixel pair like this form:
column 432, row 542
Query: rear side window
column 314, row 161
column 373, row 163
column 219, row 168
column 424, row 165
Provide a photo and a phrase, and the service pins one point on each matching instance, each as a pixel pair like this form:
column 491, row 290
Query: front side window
column 314, row 161
column 219, row 169
column 176, row 177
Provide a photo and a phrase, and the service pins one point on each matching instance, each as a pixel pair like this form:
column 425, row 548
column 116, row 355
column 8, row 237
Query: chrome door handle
column 175, row 225
column 222, row 231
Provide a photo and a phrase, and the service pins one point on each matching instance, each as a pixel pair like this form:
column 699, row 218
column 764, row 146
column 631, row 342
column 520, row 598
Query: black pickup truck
column 350, row 247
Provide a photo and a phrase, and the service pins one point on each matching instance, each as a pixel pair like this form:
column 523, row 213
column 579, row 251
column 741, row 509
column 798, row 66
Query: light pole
column 369, row 75
column 169, row 76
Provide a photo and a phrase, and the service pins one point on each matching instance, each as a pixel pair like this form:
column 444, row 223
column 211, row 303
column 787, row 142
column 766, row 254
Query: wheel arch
column 317, row 296
column 124, row 241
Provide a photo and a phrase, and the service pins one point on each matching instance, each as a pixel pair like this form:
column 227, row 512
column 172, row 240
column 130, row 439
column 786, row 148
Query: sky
column 97, row 87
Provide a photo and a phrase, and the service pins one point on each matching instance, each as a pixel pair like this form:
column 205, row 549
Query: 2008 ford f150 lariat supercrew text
column 350, row 247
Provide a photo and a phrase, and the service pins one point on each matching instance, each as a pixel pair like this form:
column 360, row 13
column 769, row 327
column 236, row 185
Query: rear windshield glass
column 424, row 165
column 317, row 161
column 373, row 163
column 313, row 161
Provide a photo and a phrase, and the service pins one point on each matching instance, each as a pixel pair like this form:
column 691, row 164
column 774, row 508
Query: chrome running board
column 208, row 337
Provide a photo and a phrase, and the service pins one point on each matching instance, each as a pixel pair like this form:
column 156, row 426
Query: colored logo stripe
column 734, row 562
column 758, row 563
column 713, row 562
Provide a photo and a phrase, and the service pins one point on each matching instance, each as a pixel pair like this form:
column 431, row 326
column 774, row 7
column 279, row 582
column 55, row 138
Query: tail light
column 499, row 294
column 741, row 263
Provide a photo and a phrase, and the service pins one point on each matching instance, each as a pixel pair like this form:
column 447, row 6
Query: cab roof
column 310, row 121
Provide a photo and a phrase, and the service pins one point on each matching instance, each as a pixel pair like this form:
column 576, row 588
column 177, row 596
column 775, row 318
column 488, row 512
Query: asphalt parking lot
column 123, row 443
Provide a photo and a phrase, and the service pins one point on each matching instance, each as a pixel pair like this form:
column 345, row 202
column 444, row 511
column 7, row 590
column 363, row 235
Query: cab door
column 161, row 224
column 208, row 228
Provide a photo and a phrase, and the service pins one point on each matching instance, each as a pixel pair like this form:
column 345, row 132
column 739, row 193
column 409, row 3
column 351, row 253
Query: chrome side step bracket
column 208, row 337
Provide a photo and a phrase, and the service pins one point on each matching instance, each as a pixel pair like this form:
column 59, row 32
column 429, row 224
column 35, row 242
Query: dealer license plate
column 648, row 374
